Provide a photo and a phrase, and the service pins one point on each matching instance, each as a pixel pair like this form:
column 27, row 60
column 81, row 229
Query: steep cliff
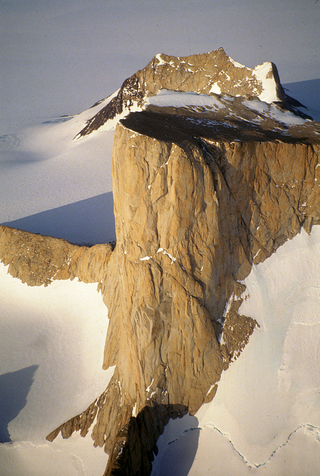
column 200, row 195
column 192, row 215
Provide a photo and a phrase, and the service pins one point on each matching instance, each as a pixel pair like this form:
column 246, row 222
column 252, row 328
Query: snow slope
column 193, row 100
column 52, row 341
column 54, row 185
column 265, row 417
column 308, row 93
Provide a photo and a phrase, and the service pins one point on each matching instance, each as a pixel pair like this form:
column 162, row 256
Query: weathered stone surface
column 191, row 219
column 37, row 259
column 207, row 73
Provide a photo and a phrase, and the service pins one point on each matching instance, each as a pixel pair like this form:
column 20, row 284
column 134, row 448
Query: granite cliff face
column 199, row 197
column 190, row 225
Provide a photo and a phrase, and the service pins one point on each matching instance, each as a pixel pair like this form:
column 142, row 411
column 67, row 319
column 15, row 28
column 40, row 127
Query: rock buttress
column 192, row 216
column 191, row 219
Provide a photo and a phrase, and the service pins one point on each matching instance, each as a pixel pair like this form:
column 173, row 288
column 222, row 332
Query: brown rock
column 196, row 73
column 37, row 259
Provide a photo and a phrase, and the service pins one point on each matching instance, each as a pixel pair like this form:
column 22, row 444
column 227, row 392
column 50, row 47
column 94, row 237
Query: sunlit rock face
column 38, row 260
column 209, row 73
column 205, row 185
column 192, row 216
column 189, row 226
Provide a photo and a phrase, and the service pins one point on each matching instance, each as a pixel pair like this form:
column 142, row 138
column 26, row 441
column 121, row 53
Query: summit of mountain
column 213, row 74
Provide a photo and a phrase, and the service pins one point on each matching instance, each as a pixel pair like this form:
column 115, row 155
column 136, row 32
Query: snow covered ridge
column 219, row 117
column 211, row 74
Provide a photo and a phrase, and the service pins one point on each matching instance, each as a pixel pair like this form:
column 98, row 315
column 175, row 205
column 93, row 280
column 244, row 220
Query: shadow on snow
column 89, row 221
column 14, row 389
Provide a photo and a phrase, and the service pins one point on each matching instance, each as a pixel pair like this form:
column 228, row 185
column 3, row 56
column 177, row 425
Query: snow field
column 269, row 90
column 286, row 117
column 188, row 100
column 166, row 98
column 52, row 340
column 75, row 456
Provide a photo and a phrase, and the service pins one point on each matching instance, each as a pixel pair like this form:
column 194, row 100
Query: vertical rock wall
column 191, row 219
column 192, row 215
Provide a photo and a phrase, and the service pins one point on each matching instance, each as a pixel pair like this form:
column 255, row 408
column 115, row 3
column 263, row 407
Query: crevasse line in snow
column 308, row 427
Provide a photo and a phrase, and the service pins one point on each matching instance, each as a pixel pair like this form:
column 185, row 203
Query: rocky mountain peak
column 213, row 74
column 211, row 175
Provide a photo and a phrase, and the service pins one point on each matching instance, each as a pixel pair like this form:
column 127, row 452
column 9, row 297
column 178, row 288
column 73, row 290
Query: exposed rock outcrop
column 209, row 73
column 191, row 218
column 38, row 260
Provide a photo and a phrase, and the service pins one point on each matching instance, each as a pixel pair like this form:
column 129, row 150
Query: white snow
column 145, row 258
column 286, row 117
column 149, row 386
column 161, row 250
column 52, row 341
column 273, row 111
column 52, row 184
column 269, row 91
column 210, row 389
column 75, row 456
column 134, row 410
column 255, row 105
column 265, row 417
column 215, row 88
column 166, row 98
column 236, row 64
column 160, row 59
